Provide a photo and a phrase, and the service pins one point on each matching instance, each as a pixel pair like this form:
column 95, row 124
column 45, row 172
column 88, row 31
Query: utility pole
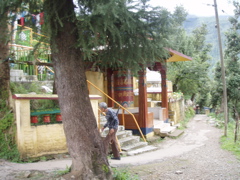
column 222, row 71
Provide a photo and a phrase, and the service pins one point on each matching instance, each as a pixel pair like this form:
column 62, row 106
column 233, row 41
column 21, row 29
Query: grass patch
column 123, row 174
column 63, row 172
column 228, row 143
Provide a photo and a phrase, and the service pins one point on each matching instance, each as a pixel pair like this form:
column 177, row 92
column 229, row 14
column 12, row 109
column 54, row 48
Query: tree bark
column 83, row 138
column 236, row 115
column 4, row 66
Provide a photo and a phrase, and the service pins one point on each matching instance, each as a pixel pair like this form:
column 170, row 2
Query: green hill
column 192, row 22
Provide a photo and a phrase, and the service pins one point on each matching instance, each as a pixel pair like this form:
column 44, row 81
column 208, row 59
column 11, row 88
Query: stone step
column 162, row 125
column 164, row 130
column 176, row 133
column 134, row 146
column 169, row 129
column 142, row 150
column 128, row 140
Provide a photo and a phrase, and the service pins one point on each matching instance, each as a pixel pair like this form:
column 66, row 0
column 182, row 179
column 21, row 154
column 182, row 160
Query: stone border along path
column 196, row 154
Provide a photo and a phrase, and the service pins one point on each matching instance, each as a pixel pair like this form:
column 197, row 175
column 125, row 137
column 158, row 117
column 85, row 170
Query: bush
column 25, row 88
column 8, row 147
column 189, row 114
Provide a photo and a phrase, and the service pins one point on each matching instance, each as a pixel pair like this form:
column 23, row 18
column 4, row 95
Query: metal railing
column 123, row 108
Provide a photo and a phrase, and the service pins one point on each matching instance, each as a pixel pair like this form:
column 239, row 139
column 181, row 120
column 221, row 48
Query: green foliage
column 6, row 121
column 25, row 88
column 23, row 37
column 232, row 52
column 105, row 168
column 8, row 147
column 192, row 22
column 131, row 35
column 232, row 64
column 219, row 119
column 227, row 142
column 123, row 174
column 63, row 172
column 191, row 77
column 189, row 114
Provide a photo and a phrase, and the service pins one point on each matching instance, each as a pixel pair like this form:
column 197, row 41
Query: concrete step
column 164, row 129
column 120, row 134
column 128, row 140
column 160, row 127
column 123, row 134
column 134, row 146
column 106, row 130
column 142, row 150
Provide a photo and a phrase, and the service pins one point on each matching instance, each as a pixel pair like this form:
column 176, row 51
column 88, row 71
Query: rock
column 27, row 174
column 178, row 172
column 61, row 178
column 32, row 93
column 46, row 89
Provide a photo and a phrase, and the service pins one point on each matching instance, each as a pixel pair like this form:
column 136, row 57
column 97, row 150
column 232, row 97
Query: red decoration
column 34, row 119
column 46, row 118
column 58, row 117
column 22, row 21
column 41, row 18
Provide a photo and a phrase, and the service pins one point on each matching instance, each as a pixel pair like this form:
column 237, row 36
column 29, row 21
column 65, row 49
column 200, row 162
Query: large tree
column 4, row 55
column 8, row 14
column 108, row 33
column 191, row 73
column 233, row 66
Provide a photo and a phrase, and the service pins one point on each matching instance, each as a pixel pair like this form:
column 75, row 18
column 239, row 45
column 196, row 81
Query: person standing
column 112, row 123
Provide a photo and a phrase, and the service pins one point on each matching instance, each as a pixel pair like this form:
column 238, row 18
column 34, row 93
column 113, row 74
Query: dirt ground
column 205, row 161
column 195, row 155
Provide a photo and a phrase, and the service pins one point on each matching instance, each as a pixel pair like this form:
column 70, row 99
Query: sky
column 197, row 7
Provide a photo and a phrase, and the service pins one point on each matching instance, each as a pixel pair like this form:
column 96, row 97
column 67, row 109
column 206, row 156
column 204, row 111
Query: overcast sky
column 197, row 7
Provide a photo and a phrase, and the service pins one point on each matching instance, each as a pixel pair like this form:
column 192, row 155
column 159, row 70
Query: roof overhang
column 177, row 56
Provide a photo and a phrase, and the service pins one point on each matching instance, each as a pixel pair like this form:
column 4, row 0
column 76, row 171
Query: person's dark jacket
column 112, row 119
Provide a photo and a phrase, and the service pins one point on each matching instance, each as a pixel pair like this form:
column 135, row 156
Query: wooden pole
column 222, row 71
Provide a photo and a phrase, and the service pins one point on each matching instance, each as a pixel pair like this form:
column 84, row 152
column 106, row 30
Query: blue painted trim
column 145, row 131
column 166, row 121
column 123, row 88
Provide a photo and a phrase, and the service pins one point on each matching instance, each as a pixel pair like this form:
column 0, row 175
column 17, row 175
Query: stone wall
column 176, row 111
column 40, row 140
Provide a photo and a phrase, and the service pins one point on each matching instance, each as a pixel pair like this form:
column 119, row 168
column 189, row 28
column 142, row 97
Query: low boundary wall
column 36, row 141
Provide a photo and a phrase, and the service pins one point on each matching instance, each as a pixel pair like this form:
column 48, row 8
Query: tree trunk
column 236, row 125
column 83, row 138
column 4, row 66
column 193, row 97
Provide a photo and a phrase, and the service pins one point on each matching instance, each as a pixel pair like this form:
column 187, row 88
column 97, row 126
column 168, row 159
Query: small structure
column 45, row 139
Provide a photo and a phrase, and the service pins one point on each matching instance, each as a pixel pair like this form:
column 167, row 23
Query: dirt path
column 195, row 155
